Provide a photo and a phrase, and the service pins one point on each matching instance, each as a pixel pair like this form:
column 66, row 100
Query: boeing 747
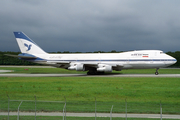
column 94, row 63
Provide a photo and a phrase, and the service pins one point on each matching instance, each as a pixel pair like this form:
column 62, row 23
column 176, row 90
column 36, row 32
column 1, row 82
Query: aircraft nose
column 173, row 60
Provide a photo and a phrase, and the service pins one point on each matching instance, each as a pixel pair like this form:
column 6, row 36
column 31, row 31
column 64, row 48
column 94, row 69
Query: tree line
column 6, row 60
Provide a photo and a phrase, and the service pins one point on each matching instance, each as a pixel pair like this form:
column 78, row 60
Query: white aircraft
column 94, row 63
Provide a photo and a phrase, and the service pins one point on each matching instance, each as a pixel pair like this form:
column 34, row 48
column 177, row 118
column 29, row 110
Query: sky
column 92, row 25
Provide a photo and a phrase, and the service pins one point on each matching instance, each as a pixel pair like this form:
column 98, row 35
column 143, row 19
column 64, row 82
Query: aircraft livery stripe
column 118, row 60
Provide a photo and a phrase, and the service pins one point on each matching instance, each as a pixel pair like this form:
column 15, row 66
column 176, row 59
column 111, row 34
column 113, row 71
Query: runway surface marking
column 1, row 71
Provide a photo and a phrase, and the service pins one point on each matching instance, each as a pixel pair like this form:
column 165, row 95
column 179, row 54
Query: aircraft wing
column 119, row 65
column 59, row 62
column 84, row 63
column 96, row 64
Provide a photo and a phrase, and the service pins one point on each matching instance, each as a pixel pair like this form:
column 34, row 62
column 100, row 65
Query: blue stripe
column 126, row 60
column 26, row 55
column 23, row 36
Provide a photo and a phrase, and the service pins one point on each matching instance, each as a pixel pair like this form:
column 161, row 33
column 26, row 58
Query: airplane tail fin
column 27, row 45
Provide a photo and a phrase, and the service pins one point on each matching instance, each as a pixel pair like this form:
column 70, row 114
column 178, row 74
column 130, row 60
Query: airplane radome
column 94, row 63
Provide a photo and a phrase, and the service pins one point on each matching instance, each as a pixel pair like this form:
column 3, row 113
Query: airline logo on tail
column 28, row 46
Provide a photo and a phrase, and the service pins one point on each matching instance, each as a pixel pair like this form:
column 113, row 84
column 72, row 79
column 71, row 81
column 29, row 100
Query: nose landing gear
column 156, row 73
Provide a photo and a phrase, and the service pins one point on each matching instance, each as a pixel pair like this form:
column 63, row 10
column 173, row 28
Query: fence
column 31, row 106
column 86, row 106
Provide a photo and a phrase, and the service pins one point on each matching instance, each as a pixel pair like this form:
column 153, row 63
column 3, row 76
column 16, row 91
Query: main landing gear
column 156, row 73
column 94, row 72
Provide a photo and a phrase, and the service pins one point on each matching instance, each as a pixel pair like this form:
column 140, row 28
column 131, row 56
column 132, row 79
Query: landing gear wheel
column 88, row 73
column 156, row 73
column 100, row 73
column 92, row 73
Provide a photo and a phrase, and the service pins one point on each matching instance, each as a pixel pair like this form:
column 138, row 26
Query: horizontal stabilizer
column 21, row 56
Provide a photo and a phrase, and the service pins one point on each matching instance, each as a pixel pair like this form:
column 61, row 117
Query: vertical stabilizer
column 27, row 45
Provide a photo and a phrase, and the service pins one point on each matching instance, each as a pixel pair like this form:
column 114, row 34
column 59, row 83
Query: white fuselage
column 126, row 60
column 94, row 63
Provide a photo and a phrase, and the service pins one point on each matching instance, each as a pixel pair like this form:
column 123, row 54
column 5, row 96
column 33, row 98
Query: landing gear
column 94, row 72
column 91, row 73
column 156, row 73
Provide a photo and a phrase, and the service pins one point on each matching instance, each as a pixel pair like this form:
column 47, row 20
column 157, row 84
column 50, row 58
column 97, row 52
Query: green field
column 143, row 95
column 71, row 118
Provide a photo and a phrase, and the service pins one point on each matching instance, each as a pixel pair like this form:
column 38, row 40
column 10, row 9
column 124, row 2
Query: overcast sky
column 92, row 25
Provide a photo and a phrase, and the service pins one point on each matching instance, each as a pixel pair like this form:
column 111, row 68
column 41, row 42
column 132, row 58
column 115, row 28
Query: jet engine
column 77, row 67
column 104, row 68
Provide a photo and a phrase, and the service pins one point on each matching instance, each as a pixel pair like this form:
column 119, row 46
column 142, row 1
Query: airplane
column 94, row 63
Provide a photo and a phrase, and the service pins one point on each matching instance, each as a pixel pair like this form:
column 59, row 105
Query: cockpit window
column 161, row 53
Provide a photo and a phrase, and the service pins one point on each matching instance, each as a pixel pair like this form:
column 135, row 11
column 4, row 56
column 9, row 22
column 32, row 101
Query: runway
column 2, row 74
column 84, row 75
column 121, row 115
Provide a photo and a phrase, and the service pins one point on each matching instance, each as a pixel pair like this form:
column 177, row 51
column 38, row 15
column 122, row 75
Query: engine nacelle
column 104, row 68
column 80, row 67
column 77, row 67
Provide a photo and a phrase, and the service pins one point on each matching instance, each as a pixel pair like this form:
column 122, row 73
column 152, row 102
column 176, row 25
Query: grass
column 143, row 95
column 71, row 118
